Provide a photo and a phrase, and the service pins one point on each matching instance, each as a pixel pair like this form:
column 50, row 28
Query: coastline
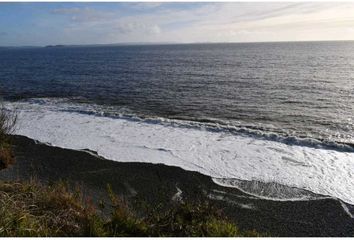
column 154, row 183
column 212, row 152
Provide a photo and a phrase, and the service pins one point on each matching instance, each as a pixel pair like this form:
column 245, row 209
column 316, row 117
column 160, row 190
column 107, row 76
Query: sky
column 39, row 24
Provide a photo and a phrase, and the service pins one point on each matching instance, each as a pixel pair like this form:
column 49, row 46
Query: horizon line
column 162, row 43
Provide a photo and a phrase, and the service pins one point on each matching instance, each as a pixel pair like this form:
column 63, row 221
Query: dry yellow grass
column 31, row 209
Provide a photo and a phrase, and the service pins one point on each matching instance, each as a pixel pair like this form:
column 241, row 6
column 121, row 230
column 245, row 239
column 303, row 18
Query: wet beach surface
column 157, row 183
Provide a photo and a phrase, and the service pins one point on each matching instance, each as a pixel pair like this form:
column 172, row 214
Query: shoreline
column 154, row 183
column 212, row 153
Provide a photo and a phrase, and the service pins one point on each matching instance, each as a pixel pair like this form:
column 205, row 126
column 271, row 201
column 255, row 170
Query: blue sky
column 90, row 23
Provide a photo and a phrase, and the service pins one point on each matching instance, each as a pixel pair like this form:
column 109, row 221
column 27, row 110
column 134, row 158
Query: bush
column 8, row 121
column 199, row 219
column 7, row 124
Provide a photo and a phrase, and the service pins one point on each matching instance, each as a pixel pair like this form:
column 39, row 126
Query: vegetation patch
column 31, row 209
column 7, row 123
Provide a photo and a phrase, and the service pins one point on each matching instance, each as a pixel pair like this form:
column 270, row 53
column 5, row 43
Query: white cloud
column 213, row 22
column 83, row 14
column 131, row 27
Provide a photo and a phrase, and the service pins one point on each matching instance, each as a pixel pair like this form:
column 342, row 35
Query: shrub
column 8, row 121
column 7, row 124
column 193, row 220
column 123, row 222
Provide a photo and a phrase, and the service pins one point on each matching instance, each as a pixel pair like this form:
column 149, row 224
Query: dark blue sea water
column 295, row 90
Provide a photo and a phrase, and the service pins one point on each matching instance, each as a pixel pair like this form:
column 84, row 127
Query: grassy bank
column 33, row 209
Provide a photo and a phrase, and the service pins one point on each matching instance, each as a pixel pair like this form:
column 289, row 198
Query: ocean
column 279, row 114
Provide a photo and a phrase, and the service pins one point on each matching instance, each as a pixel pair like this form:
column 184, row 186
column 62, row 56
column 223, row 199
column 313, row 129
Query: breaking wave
column 277, row 167
column 208, row 124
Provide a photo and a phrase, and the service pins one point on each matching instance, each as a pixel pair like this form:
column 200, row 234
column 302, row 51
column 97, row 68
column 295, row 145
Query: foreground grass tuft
column 31, row 209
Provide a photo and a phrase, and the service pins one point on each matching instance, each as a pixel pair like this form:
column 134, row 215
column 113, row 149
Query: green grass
column 30, row 209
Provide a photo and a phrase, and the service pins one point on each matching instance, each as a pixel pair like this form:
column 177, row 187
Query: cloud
column 85, row 14
column 133, row 27
column 67, row 10
column 210, row 22
column 145, row 5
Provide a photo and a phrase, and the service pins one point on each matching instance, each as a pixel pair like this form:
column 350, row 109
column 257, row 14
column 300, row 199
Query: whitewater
column 221, row 155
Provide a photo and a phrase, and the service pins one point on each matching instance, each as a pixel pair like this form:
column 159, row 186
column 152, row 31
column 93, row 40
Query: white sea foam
column 217, row 154
column 269, row 190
